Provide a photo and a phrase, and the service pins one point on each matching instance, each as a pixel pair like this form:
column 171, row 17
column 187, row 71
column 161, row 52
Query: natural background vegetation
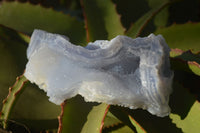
column 26, row 108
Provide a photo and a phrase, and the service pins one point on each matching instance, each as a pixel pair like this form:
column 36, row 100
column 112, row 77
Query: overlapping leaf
column 25, row 17
column 161, row 18
column 186, row 61
column 184, row 105
column 122, row 129
column 184, row 115
column 137, row 126
column 185, row 110
column 111, row 120
column 95, row 119
column 13, row 58
column 136, row 29
column 32, row 106
column 101, row 19
column 8, row 103
column 182, row 36
column 75, row 114
column 102, row 22
column 131, row 10
column 114, row 125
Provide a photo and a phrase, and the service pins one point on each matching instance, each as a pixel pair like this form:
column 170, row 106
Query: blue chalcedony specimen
column 128, row 72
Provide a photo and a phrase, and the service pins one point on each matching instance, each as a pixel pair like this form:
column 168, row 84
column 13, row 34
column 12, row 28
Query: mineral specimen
column 133, row 73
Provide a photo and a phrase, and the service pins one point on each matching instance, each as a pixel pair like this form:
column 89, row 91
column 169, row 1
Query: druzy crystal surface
column 128, row 72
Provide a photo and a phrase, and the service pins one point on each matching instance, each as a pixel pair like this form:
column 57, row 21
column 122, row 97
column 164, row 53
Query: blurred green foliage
column 89, row 20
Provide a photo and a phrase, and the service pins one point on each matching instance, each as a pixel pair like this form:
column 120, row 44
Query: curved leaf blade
column 135, row 30
column 182, row 36
column 136, row 125
column 123, row 129
column 161, row 19
column 13, row 58
column 95, row 119
column 111, row 120
column 14, row 93
column 185, row 109
column 186, row 61
column 75, row 111
column 101, row 19
column 114, row 125
column 32, row 105
column 28, row 17
column 191, row 122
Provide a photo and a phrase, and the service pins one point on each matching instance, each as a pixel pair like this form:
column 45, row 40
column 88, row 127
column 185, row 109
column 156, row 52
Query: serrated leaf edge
column 39, row 5
column 153, row 13
column 102, row 121
column 134, row 121
column 190, row 63
column 113, row 125
column 60, row 117
column 12, row 95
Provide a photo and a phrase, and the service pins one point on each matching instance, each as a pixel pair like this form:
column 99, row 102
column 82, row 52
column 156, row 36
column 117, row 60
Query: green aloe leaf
column 182, row 36
column 137, row 125
column 146, row 122
column 191, row 122
column 32, row 107
column 114, row 125
column 75, row 114
column 122, row 129
column 28, row 17
column 24, row 37
column 122, row 114
column 13, row 58
column 161, row 18
column 95, row 119
column 78, row 106
column 8, row 103
column 185, row 110
column 138, row 26
column 131, row 10
column 184, row 115
column 185, row 60
column 151, row 123
column 101, row 20
column 111, row 120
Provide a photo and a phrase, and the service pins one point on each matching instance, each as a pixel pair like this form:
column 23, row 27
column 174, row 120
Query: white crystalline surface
column 128, row 72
